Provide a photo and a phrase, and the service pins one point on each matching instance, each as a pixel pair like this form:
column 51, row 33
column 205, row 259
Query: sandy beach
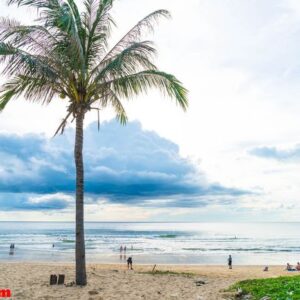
column 105, row 282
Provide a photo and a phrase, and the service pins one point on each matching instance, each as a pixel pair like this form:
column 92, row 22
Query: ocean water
column 161, row 243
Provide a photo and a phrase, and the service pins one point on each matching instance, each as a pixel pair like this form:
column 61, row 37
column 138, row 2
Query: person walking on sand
column 129, row 263
column 121, row 249
column 230, row 262
column 125, row 249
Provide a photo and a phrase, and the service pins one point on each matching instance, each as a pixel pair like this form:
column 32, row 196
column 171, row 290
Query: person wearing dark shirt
column 129, row 263
column 230, row 262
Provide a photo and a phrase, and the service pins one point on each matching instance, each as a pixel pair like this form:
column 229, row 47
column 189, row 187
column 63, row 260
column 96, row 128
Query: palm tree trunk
column 80, row 243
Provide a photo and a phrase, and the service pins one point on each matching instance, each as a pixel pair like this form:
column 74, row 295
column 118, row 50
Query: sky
column 233, row 156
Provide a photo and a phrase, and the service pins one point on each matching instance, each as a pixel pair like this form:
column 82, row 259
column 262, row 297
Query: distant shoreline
column 158, row 222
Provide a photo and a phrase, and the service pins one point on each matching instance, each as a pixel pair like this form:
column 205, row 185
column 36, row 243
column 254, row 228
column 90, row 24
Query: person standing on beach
column 230, row 262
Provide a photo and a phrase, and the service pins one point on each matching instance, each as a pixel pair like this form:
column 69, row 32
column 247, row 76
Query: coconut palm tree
column 66, row 53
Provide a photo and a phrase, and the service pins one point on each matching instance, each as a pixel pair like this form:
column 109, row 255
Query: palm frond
column 5, row 97
column 134, row 34
column 35, row 39
column 135, row 58
column 20, row 61
column 63, row 124
column 141, row 82
column 34, row 3
column 112, row 99
column 33, row 89
column 98, row 23
column 63, row 19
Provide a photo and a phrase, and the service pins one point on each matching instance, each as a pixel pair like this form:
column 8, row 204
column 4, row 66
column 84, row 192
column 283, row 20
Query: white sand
column 105, row 282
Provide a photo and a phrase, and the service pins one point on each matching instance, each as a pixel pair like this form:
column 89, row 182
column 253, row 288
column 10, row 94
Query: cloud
column 122, row 165
column 28, row 202
column 291, row 154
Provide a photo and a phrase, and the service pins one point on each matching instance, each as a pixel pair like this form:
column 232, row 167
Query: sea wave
column 243, row 249
column 167, row 236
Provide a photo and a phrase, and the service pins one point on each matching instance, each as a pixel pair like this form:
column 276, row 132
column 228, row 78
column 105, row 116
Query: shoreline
column 30, row 280
column 200, row 259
